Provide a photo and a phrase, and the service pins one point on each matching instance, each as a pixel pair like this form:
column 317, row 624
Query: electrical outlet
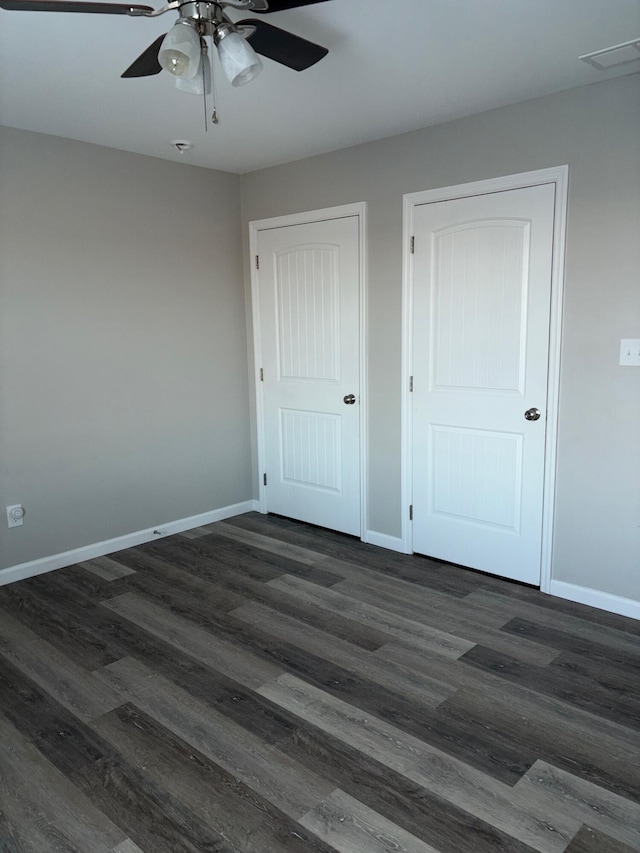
column 15, row 515
column 630, row 352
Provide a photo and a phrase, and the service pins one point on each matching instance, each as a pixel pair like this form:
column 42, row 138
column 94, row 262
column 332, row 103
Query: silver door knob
column 349, row 399
column 532, row 414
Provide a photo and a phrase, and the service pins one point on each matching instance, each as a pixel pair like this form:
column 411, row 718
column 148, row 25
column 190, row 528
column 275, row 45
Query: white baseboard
column 109, row 546
column 595, row 598
column 382, row 540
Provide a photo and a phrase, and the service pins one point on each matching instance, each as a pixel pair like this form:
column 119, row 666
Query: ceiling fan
column 183, row 50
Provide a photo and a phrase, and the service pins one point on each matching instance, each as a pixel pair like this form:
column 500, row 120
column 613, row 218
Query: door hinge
column 411, row 383
column 264, row 479
column 413, row 245
column 257, row 262
column 261, row 375
column 410, row 512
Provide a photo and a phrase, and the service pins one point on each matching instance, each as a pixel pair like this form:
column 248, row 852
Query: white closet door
column 482, row 288
column 308, row 286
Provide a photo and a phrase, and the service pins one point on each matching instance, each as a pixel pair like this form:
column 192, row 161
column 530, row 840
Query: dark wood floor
column 261, row 685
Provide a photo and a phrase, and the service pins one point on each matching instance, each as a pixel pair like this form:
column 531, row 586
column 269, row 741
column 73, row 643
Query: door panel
column 308, row 286
column 477, row 476
column 310, row 446
column 482, row 288
column 480, row 301
column 308, row 312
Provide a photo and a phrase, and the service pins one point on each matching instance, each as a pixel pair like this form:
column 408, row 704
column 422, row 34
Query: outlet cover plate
column 630, row 352
column 15, row 515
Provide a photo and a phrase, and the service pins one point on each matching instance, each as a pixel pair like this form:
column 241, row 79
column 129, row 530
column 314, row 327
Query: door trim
column 360, row 210
column 558, row 175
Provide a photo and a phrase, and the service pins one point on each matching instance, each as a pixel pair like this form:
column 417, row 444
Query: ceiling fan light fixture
column 200, row 83
column 239, row 60
column 179, row 52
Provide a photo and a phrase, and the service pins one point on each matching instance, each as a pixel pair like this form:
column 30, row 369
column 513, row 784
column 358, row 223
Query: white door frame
column 558, row 175
column 359, row 210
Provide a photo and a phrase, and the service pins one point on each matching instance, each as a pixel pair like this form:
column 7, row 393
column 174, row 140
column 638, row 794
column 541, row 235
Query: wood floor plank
column 394, row 695
column 565, row 734
column 287, row 656
column 154, row 820
column 215, row 552
column 42, row 809
column 421, row 599
column 76, row 580
column 351, row 827
column 127, row 846
column 451, row 618
column 60, row 736
column 605, row 675
column 74, row 688
column 578, row 624
column 24, row 830
column 55, row 619
column 267, row 543
column 160, row 579
column 571, row 688
column 523, row 601
column 200, row 644
column 259, row 766
column 195, row 533
column 616, row 816
column 446, row 826
column 589, row 840
column 185, row 594
column 619, row 650
column 205, row 556
column 449, row 778
column 326, row 620
column 217, row 690
column 106, row 568
column 400, row 628
column 422, row 571
column 181, row 592
column 247, row 821
column 345, row 655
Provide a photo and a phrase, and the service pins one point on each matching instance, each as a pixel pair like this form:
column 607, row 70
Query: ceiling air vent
column 609, row 57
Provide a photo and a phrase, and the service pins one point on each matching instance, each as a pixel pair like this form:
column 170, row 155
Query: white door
column 308, row 285
column 481, row 312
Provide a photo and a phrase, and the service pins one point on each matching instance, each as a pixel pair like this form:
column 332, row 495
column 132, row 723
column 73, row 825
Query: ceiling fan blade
column 147, row 63
column 73, row 6
column 283, row 47
column 281, row 5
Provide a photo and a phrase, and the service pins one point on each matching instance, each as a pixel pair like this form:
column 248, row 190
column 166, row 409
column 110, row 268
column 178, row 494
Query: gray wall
column 124, row 400
column 123, row 366
column 596, row 130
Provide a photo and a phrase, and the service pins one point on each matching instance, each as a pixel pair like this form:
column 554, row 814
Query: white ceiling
column 393, row 66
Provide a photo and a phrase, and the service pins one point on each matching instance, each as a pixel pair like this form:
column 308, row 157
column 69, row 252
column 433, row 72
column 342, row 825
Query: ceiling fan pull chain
column 214, row 114
column 204, row 88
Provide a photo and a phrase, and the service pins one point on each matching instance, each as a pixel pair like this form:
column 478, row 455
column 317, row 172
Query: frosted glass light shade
column 179, row 52
column 239, row 60
column 194, row 85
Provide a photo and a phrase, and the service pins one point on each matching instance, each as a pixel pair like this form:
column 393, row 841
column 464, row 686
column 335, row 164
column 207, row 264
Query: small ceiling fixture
column 618, row 54
column 181, row 145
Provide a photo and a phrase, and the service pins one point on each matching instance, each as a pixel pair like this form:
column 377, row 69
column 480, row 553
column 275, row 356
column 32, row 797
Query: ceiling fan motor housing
column 210, row 20
column 207, row 15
